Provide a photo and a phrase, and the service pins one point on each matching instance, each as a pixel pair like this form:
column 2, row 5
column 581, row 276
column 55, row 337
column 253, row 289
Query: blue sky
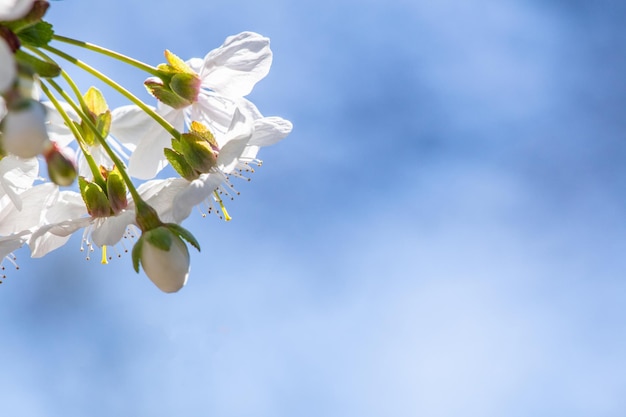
column 441, row 235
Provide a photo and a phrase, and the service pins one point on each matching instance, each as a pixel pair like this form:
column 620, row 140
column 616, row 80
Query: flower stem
column 158, row 118
column 112, row 54
column 98, row 178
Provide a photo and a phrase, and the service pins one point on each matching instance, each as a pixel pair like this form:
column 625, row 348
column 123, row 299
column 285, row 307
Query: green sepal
column 95, row 199
column 116, row 191
column 36, row 13
column 37, row 35
column 176, row 145
column 176, row 64
column 103, row 123
column 186, row 86
column 203, row 131
column 136, row 254
column 178, row 162
column 184, row 234
column 165, row 95
column 89, row 137
column 159, row 237
column 95, row 101
column 43, row 68
column 198, row 152
column 99, row 112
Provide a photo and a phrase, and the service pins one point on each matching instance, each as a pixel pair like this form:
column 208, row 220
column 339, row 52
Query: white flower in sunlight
column 16, row 225
column 236, row 156
column 65, row 213
column 34, row 202
column 227, row 74
column 144, row 137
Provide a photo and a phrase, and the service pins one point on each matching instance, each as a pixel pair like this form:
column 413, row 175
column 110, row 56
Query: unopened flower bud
column 61, row 167
column 116, row 191
column 95, row 199
column 164, row 257
column 24, row 130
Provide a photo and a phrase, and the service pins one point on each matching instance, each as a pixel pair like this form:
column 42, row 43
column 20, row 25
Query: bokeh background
column 443, row 233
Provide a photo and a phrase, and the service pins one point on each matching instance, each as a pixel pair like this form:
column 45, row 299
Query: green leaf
column 38, row 35
column 136, row 254
column 43, row 68
column 184, row 234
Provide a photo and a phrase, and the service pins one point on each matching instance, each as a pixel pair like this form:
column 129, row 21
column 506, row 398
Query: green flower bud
column 95, row 199
column 116, row 191
column 61, row 168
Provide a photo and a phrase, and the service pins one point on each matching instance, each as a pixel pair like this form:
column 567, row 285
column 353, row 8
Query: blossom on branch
column 202, row 125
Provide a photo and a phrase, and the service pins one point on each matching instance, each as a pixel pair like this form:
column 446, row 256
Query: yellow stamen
column 104, row 255
column 219, row 201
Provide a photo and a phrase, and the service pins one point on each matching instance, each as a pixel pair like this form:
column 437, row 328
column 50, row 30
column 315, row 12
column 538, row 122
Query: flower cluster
column 104, row 166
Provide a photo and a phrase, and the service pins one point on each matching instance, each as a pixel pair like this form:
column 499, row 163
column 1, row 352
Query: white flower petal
column 195, row 193
column 234, row 142
column 53, row 236
column 139, row 133
column 16, row 176
column 110, row 230
column 270, row 130
column 195, row 64
column 35, row 202
column 214, row 111
column 57, row 129
column 11, row 243
column 235, row 67
column 160, row 194
column 14, row 9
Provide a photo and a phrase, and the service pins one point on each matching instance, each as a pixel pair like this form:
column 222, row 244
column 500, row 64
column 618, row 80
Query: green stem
column 146, row 216
column 116, row 55
column 98, row 178
column 68, row 79
column 158, row 118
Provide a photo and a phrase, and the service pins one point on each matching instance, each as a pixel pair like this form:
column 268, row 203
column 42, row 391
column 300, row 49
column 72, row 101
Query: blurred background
column 443, row 233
